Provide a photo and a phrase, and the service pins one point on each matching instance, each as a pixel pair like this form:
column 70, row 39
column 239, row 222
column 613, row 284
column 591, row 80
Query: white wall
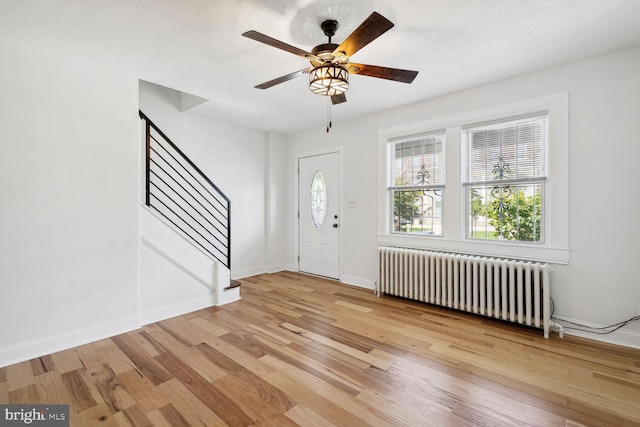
column 276, row 206
column 600, row 285
column 68, row 222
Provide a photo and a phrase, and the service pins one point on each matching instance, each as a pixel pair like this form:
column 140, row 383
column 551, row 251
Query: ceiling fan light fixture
column 329, row 80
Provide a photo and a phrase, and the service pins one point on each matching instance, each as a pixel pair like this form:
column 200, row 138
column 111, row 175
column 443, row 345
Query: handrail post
column 229, row 235
column 148, row 162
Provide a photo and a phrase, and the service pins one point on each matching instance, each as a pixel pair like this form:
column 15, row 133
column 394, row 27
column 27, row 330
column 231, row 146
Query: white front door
column 318, row 219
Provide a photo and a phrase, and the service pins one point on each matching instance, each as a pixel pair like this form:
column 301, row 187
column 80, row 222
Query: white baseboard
column 241, row 274
column 623, row 337
column 359, row 282
column 290, row 267
column 40, row 347
column 276, row 268
column 173, row 310
column 234, row 295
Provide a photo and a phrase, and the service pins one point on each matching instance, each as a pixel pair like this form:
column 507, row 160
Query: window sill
column 493, row 249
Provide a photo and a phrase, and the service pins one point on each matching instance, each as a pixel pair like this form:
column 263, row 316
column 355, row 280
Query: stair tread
column 233, row 284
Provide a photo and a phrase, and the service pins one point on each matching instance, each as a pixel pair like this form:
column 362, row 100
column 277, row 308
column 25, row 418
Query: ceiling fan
column 330, row 62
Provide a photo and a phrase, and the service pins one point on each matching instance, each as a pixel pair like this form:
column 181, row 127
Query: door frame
column 296, row 204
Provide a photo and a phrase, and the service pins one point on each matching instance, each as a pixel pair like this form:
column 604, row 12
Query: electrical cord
column 599, row 330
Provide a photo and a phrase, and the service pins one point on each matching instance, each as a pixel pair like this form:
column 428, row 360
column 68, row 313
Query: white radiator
column 516, row 291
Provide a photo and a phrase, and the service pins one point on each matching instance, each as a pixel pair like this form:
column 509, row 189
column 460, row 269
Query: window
column 507, row 184
column 506, row 174
column 318, row 200
column 417, row 185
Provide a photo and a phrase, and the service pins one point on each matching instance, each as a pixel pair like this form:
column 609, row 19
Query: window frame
column 468, row 182
column 555, row 244
column 393, row 188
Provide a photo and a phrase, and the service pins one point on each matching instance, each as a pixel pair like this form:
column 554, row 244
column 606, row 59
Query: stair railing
column 182, row 194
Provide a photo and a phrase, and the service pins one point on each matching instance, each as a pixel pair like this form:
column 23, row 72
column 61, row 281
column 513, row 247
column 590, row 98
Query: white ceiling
column 195, row 46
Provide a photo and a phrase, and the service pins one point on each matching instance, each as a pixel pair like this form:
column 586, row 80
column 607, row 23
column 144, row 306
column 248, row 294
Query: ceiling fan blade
column 281, row 79
column 254, row 35
column 395, row 74
column 338, row 99
column 372, row 28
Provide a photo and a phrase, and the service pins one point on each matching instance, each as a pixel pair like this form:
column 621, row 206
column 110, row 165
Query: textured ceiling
column 195, row 46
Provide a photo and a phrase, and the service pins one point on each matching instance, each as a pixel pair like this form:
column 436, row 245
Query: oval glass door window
column 318, row 200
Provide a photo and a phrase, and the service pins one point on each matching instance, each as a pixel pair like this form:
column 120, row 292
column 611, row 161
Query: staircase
column 184, row 205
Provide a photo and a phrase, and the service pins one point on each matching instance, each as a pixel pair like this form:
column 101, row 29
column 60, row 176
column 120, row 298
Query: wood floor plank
column 338, row 357
column 142, row 390
column 440, row 415
column 394, row 404
column 241, row 341
column 67, row 360
column 271, row 331
column 158, row 420
column 96, row 416
column 113, row 392
column 304, row 416
column 379, row 359
column 136, row 417
column 19, row 375
column 308, row 328
column 368, row 414
column 310, row 398
column 248, row 361
column 296, row 375
column 192, row 409
column 195, row 359
column 314, row 367
column 37, row 367
column 81, row 396
column 144, row 362
column 215, row 399
column 52, row 389
column 253, row 404
column 205, row 327
column 282, row 308
column 4, row 392
column 173, row 417
column 269, row 394
column 103, row 352
column 181, row 330
column 353, row 306
column 25, row 395
column 417, row 392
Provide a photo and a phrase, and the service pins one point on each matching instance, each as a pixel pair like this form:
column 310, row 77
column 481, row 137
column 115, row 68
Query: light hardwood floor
column 298, row 350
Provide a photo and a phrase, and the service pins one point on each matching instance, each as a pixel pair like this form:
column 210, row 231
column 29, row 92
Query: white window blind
column 513, row 150
column 418, row 161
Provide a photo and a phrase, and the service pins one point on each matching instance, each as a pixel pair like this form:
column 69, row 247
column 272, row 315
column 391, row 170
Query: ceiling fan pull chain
column 328, row 113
